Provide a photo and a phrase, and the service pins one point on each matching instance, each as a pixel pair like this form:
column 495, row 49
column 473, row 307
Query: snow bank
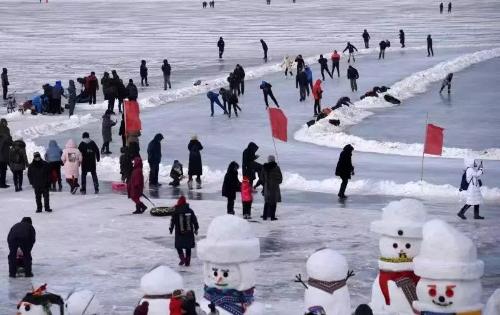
column 323, row 133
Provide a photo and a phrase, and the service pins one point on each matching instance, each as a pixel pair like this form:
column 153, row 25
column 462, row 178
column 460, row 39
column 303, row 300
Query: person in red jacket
column 246, row 197
column 317, row 92
column 175, row 306
column 91, row 87
column 335, row 62
column 135, row 186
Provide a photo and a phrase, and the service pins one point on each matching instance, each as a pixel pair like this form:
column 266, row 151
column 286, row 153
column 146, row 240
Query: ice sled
column 162, row 211
column 391, row 99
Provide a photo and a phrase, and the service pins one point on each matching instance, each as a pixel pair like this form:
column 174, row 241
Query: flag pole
column 423, row 149
column 272, row 137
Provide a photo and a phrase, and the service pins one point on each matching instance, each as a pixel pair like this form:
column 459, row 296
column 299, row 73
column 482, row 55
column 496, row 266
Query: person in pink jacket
column 72, row 159
column 246, row 197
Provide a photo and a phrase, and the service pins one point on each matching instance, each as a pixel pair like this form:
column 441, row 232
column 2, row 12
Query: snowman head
column 33, row 303
column 449, row 296
column 402, row 249
column 26, row 308
column 161, row 280
column 229, row 276
column 82, row 301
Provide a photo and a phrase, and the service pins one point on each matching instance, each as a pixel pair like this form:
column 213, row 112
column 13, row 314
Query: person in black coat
column 303, row 85
column 323, row 62
column 353, row 75
column 154, row 159
column 248, row 161
column 231, row 186
column 300, row 66
column 264, row 48
column 351, row 48
column 441, row 7
column 239, row 74
column 39, row 178
column 271, row 179
column 132, row 92
column 126, row 165
column 5, row 143
column 268, row 92
column 344, row 168
column 5, row 83
column 383, row 45
column 144, row 73
column 430, row 51
column 402, row 38
column 186, row 226
column 22, row 235
column 195, row 167
column 166, row 69
column 90, row 157
column 220, row 45
column 366, row 38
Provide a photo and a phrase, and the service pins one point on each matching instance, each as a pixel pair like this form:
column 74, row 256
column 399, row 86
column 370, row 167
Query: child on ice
column 176, row 173
column 246, row 198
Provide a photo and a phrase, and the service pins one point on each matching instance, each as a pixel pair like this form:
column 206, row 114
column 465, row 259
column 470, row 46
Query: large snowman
column 449, row 272
column 327, row 284
column 228, row 254
column 393, row 290
column 157, row 286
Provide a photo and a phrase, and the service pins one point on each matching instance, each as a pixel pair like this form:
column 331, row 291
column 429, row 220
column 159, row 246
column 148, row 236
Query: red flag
column 433, row 140
column 132, row 119
column 279, row 124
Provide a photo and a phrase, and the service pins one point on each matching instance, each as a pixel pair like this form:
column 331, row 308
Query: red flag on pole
column 279, row 124
column 132, row 119
column 433, row 140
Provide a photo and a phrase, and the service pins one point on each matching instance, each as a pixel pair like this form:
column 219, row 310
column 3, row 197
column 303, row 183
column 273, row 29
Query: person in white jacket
column 473, row 193
column 72, row 159
column 287, row 65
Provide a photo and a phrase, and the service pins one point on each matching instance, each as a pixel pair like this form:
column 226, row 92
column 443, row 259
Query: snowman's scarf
column 406, row 280
column 233, row 301
column 327, row 286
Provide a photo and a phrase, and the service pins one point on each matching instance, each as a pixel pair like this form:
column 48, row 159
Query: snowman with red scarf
column 228, row 253
column 393, row 290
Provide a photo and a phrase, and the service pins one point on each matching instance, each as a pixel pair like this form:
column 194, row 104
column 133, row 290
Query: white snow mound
column 327, row 265
column 161, row 280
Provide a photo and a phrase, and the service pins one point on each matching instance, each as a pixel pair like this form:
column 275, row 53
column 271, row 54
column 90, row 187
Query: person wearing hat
column 271, row 179
column 22, row 235
column 154, row 160
column 18, row 161
column 195, row 167
column 90, row 157
column 107, row 124
column 39, row 178
column 186, row 226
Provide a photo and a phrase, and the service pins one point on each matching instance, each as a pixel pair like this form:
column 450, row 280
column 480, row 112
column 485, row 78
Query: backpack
column 464, row 184
column 17, row 157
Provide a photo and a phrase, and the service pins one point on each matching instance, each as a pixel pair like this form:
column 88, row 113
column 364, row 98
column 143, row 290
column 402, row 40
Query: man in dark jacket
column 300, row 66
column 132, row 93
column 323, row 62
column 268, row 92
column 430, row 51
column 186, row 226
column 239, row 74
column 351, row 48
column 248, row 161
column 366, row 38
column 264, row 48
column 144, row 73
column 5, row 83
column 22, row 236
column 303, row 85
column 90, row 157
column 39, row 178
column 220, row 45
column 271, row 180
column 5, row 143
column 166, row 69
column 344, row 169
column 91, row 86
column 353, row 75
column 447, row 83
column 154, row 159
column 402, row 38
column 383, row 46
column 18, row 161
column 231, row 186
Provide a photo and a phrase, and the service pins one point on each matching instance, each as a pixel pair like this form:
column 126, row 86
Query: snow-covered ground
column 92, row 241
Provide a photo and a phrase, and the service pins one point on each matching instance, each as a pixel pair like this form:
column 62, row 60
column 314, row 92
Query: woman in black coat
column 271, row 180
column 185, row 223
column 195, row 166
column 231, row 186
column 344, row 169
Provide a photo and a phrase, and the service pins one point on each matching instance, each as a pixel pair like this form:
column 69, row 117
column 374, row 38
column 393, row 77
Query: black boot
column 143, row 207
column 461, row 213
column 137, row 209
column 476, row 213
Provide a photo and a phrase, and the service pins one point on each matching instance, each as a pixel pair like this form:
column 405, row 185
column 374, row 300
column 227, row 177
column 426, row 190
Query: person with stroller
column 135, row 186
column 53, row 156
column 71, row 159
column 39, row 177
column 186, row 226
column 22, row 235
column 176, row 173
column 18, row 162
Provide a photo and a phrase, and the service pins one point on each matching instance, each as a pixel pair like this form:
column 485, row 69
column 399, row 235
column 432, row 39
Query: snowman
column 393, row 290
column 82, row 302
column 228, row 253
column 157, row 286
column 326, row 287
column 41, row 302
column 493, row 305
column 449, row 272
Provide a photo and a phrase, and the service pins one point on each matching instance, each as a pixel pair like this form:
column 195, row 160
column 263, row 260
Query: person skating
column 154, row 159
column 248, row 161
column 268, row 92
column 246, row 197
column 441, row 7
column 402, row 38
column 5, row 83
column 474, row 197
column 336, row 62
column 72, row 160
column 92, row 86
column 271, row 180
column 144, row 73
column 287, row 64
column 383, row 45
column 220, row 45
column 39, row 178
column 214, row 99
column 353, row 75
column 231, row 186
column 132, row 92
column 317, row 93
column 126, row 165
column 233, row 83
column 447, row 83
column 323, row 62
column 90, row 157
column 176, row 173
column 233, row 103
column 344, row 169
column 366, row 38
column 186, row 226
column 53, row 156
column 264, row 48
column 350, row 47
column 430, row 51
column 449, row 7
column 195, row 167
column 166, row 69
column 135, row 186
column 107, row 124
column 239, row 74
column 71, row 97
column 22, row 235
column 225, row 96
column 18, row 161
column 303, row 85
column 5, row 143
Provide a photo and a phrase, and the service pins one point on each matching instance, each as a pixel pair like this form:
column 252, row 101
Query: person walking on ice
column 220, row 45
column 366, row 38
column 353, row 75
column 402, row 38
column 185, row 224
column 350, row 47
column 323, row 62
column 430, row 51
column 447, row 83
column 266, row 89
column 344, row 169
column 472, row 185
column 195, row 166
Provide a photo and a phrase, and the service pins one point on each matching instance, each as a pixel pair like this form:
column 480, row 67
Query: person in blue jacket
column 309, row 75
column 37, row 103
column 214, row 98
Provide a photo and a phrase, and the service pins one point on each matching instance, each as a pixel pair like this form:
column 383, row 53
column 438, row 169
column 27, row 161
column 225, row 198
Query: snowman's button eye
column 400, row 232
column 432, row 292
column 215, row 274
column 408, row 245
column 226, row 274
column 395, row 245
column 27, row 307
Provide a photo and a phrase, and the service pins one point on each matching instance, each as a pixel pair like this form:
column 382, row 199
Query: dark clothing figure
column 220, row 45
column 166, row 69
column 18, row 162
column 122, row 133
column 353, row 75
column 122, row 94
column 266, row 89
column 142, row 309
column 107, row 124
column 22, row 235
column 144, row 73
column 248, row 161
column 383, row 45
column 300, row 63
column 336, row 63
column 303, row 85
column 449, row 7
column 176, row 173
column 214, row 99
column 231, row 186
column 233, row 83
column 126, row 165
column 233, row 103
column 53, row 157
column 441, row 7
column 135, row 186
column 264, row 48
column 271, row 180
column 350, row 47
column 239, row 75
column 5, row 83
column 132, row 92
column 185, row 223
column 91, row 86
column 341, row 102
column 154, row 159
column 195, row 167
column 447, row 83
column 57, row 93
column 5, row 143
column 225, row 96
column 71, row 97
column 324, row 67
column 344, row 168
column 402, row 38
column 366, row 38
column 39, row 178
column 363, row 309
column 90, row 157
column 430, row 51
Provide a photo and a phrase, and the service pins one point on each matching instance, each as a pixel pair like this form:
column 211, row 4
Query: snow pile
column 161, row 280
column 323, row 133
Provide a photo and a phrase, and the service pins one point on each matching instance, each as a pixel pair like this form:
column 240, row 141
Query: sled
column 119, row 187
column 391, row 99
column 162, row 211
